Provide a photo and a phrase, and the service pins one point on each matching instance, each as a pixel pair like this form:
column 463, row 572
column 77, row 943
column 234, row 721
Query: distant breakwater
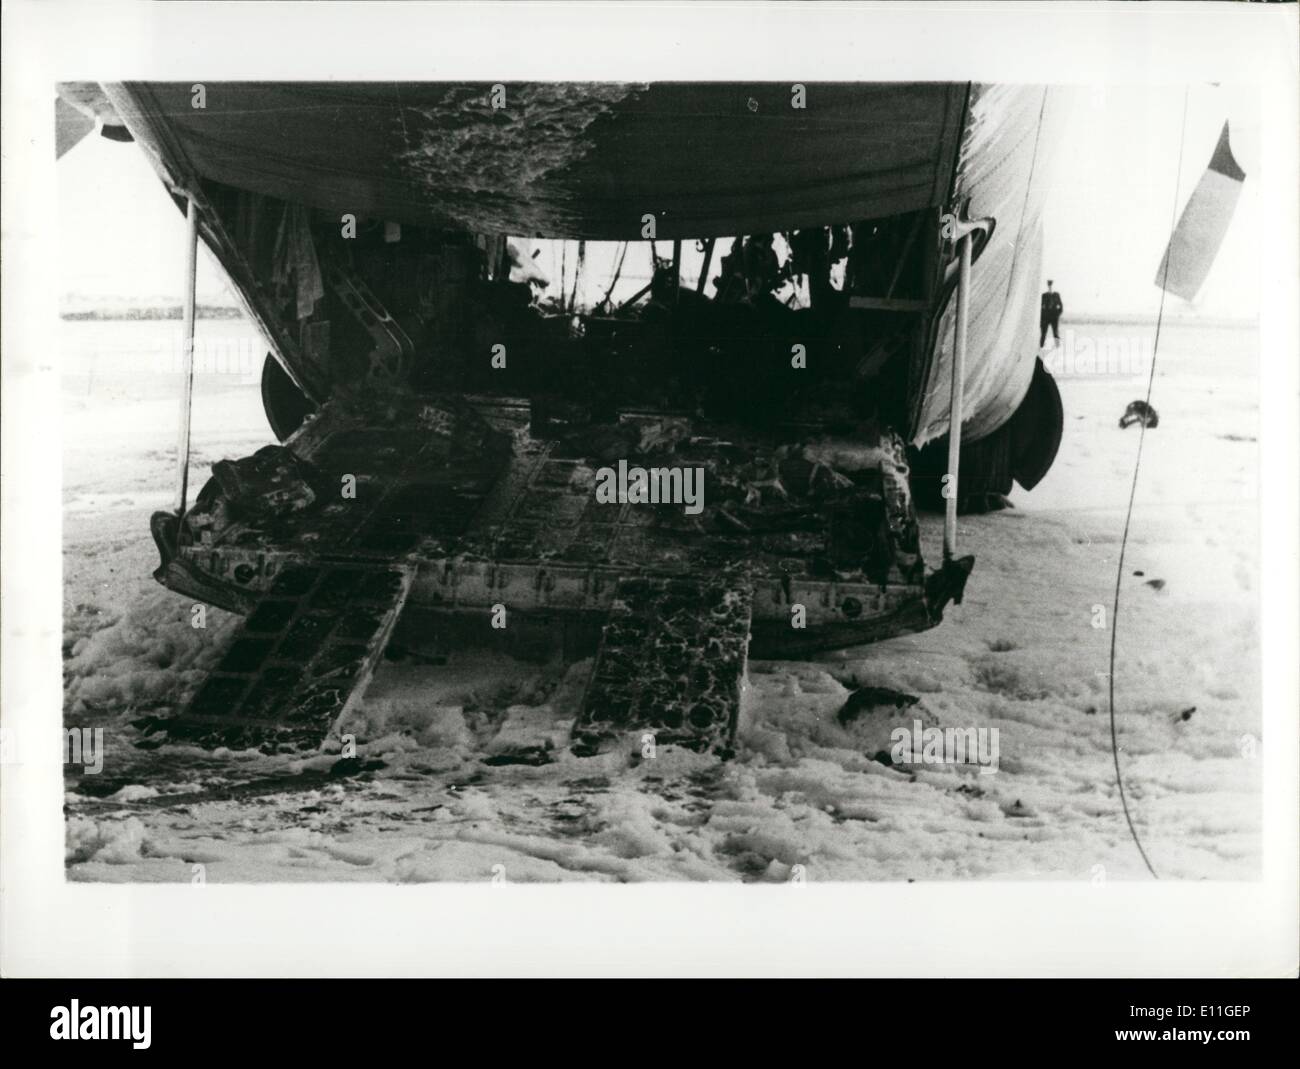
column 171, row 311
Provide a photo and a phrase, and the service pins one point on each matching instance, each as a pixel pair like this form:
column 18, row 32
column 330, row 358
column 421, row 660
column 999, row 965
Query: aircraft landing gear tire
column 285, row 405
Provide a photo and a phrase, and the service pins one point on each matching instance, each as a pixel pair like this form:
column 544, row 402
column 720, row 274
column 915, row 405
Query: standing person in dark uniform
column 762, row 268
column 1050, row 315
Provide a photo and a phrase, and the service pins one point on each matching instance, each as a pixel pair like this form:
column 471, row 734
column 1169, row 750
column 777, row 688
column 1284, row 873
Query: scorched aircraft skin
column 443, row 430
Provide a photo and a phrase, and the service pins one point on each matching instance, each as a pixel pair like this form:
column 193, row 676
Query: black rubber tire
column 285, row 405
column 985, row 472
column 1036, row 429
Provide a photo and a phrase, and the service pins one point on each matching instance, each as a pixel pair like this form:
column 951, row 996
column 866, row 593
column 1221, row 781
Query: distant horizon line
column 124, row 308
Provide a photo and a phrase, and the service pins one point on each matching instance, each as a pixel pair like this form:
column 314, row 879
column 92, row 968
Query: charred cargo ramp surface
column 461, row 510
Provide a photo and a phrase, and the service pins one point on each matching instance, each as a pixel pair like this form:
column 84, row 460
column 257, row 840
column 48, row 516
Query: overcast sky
column 1107, row 220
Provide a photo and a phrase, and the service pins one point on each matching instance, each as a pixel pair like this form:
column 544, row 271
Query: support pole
column 578, row 272
column 955, row 404
column 187, row 357
column 501, row 268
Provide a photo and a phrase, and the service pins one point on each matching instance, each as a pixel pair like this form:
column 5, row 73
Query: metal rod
column 902, row 257
column 708, row 262
column 577, row 275
column 955, row 404
column 187, row 355
column 677, row 269
column 636, row 296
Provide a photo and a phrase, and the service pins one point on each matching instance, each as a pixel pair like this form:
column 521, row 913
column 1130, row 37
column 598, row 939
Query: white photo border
column 50, row 927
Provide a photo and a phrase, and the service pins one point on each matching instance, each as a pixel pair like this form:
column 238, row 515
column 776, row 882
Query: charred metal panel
column 298, row 662
column 671, row 662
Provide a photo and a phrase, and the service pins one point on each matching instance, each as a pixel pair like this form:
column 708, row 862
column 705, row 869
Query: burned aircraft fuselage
column 464, row 422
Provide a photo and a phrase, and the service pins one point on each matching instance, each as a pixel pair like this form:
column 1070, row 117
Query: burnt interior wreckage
column 443, row 416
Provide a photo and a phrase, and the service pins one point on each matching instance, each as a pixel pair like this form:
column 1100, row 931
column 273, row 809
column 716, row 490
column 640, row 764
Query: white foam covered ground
column 1020, row 654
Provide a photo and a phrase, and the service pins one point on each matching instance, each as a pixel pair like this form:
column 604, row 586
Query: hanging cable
column 618, row 271
column 1128, row 516
column 187, row 375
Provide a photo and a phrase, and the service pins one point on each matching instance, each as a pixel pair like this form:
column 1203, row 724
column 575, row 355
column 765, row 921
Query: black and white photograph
column 697, row 479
